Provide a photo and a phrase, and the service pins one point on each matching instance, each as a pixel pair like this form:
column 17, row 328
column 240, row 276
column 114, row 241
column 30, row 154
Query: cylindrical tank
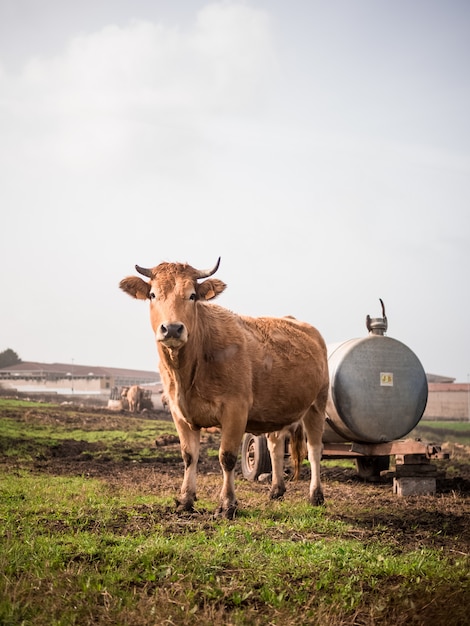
column 378, row 388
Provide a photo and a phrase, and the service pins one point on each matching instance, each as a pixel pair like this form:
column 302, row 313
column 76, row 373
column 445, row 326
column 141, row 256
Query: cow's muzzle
column 172, row 334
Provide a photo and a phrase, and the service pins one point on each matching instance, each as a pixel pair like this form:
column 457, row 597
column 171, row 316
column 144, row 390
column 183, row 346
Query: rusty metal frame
column 361, row 450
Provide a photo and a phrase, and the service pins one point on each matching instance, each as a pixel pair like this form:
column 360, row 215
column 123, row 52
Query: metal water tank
column 378, row 388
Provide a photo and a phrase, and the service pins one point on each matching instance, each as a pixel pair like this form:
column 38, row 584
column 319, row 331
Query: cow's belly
column 258, row 428
column 261, row 422
column 274, row 399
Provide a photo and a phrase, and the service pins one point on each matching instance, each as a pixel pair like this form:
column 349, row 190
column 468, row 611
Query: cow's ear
column 135, row 287
column 210, row 289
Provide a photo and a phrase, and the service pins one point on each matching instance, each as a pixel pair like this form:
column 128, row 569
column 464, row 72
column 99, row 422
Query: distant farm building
column 72, row 380
column 447, row 400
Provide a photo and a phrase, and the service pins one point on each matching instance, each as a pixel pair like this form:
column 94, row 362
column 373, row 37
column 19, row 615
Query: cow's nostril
column 171, row 331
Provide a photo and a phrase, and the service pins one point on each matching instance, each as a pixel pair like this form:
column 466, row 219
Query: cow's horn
column 206, row 273
column 144, row 271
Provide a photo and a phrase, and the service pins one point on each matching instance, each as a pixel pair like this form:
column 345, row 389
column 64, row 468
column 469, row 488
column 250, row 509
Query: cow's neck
column 170, row 357
column 181, row 372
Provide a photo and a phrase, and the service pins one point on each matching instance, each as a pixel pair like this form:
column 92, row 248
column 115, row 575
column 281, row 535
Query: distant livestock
column 242, row 374
column 135, row 397
column 124, row 401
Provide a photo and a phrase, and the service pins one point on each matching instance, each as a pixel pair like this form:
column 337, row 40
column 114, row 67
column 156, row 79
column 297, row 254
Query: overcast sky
column 322, row 149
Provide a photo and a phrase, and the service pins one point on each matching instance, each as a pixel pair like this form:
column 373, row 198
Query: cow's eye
column 152, row 296
column 192, row 296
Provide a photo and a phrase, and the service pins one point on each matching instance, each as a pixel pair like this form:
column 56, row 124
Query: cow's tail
column 298, row 448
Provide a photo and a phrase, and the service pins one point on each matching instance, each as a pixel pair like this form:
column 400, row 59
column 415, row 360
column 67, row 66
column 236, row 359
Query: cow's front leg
column 190, row 443
column 276, row 447
column 231, row 437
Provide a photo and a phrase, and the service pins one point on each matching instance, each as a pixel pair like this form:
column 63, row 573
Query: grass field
column 445, row 431
column 89, row 535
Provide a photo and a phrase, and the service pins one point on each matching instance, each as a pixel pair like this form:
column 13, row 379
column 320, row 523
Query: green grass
column 346, row 463
column 443, row 431
column 28, row 430
column 83, row 551
column 11, row 403
column 144, row 430
column 74, row 552
column 463, row 427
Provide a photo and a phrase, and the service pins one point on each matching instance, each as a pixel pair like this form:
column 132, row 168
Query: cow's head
column 174, row 293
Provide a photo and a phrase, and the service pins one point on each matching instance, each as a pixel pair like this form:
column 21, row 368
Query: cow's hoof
column 277, row 493
column 184, row 506
column 227, row 512
column 317, row 498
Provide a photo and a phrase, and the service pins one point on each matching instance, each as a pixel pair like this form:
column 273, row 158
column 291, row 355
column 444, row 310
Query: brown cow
column 124, row 402
column 134, row 397
column 242, row 374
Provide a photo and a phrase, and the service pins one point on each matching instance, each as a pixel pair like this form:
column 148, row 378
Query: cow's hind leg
column 276, row 447
column 190, row 443
column 314, row 423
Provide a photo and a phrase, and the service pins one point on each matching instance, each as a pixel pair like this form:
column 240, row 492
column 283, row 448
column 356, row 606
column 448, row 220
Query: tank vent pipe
column 377, row 325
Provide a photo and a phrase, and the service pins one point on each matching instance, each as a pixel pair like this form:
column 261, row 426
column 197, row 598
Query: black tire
column 255, row 456
column 369, row 467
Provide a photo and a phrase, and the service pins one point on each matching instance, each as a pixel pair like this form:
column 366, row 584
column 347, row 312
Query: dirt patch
column 84, row 418
column 365, row 513
column 410, row 523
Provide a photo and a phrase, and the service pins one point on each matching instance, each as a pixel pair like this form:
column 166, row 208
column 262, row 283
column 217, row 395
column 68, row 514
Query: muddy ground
column 441, row 519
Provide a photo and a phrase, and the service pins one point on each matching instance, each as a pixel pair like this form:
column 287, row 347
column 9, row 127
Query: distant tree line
column 9, row 357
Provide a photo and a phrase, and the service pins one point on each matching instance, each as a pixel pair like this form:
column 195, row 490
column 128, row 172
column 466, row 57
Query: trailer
column 377, row 396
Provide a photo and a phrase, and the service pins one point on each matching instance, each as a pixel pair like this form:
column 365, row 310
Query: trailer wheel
column 255, row 456
column 369, row 467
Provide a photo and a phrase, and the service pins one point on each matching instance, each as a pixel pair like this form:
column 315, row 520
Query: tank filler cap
column 377, row 325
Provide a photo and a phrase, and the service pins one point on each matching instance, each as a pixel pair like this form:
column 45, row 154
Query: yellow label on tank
column 386, row 379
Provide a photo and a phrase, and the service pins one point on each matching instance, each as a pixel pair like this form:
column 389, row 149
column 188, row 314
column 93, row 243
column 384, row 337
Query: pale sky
column 322, row 149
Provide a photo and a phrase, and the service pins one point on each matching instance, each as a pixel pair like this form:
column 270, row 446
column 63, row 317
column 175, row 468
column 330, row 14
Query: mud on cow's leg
column 228, row 502
column 190, row 443
column 188, row 488
column 233, row 422
column 276, row 446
